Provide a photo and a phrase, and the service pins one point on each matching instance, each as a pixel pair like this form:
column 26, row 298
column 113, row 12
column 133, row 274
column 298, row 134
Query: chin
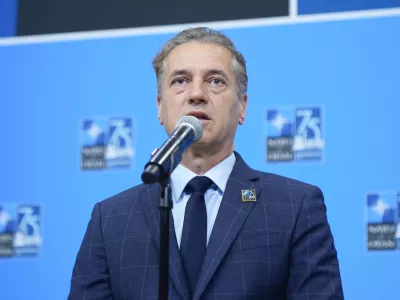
column 203, row 143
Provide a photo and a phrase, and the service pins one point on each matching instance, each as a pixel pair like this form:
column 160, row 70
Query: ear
column 159, row 108
column 243, row 106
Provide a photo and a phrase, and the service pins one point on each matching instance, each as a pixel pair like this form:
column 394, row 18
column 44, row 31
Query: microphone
column 188, row 130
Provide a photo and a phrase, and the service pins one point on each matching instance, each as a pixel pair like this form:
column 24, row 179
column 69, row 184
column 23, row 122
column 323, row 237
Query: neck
column 199, row 160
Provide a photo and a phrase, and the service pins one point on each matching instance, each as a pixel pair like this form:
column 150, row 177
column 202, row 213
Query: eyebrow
column 207, row 73
column 179, row 72
column 217, row 72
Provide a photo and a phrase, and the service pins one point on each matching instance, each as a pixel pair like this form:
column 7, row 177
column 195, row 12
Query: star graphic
column 279, row 121
column 4, row 218
column 94, row 131
column 380, row 207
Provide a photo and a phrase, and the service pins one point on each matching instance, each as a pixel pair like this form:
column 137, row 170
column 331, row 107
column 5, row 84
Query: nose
column 197, row 94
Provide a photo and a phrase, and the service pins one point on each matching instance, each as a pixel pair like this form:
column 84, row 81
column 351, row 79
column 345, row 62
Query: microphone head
column 194, row 123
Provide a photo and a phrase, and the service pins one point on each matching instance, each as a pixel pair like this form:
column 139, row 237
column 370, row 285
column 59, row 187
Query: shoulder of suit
column 286, row 188
column 283, row 181
column 126, row 196
column 272, row 179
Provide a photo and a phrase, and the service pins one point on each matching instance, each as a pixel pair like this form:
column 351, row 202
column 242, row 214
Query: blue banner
column 79, row 121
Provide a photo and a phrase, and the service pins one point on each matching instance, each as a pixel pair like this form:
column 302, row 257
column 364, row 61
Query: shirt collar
column 219, row 174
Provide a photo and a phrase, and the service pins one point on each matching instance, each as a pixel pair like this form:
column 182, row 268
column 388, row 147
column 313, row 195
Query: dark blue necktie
column 194, row 234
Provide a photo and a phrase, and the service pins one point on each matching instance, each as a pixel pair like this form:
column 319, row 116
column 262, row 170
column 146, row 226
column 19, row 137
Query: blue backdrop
column 348, row 68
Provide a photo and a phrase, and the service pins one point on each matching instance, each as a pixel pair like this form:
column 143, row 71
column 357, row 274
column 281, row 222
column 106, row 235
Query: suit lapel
column 150, row 201
column 231, row 216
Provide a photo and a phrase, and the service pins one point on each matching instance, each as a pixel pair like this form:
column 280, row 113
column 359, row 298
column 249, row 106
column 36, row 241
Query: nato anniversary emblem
column 383, row 220
column 20, row 229
column 294, row 134
column 28, row 237
column 398, row 221
column 107, row 143
column 8, row 215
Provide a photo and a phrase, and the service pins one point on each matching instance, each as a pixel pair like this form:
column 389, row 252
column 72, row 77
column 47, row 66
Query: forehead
column 199, row 56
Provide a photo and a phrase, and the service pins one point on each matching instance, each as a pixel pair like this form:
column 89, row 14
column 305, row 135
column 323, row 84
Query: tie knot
column 198, row 184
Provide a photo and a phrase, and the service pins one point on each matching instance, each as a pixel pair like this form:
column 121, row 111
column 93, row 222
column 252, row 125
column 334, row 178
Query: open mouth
column 199, row 115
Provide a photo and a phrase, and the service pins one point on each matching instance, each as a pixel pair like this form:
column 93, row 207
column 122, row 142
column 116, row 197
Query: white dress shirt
column 180, row 177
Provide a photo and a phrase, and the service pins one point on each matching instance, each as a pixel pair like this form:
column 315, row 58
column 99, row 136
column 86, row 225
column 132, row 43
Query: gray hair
column 203, row 35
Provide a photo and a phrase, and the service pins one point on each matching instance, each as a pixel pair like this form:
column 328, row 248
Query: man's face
column 198, row 81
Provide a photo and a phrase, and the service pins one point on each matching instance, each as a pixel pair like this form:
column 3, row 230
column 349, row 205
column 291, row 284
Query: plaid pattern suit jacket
column 277, row 247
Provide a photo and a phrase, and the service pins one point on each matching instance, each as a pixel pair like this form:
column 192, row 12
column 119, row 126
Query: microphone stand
column 165, row 206
column 159, row 169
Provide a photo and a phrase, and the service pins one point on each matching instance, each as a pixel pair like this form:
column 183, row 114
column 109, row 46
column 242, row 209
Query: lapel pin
column 249, row 196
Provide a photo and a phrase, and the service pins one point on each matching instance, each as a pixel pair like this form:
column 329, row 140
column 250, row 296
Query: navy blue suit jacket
column 278, row 247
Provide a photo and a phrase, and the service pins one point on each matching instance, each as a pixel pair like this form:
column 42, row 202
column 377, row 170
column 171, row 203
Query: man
column 236, row 233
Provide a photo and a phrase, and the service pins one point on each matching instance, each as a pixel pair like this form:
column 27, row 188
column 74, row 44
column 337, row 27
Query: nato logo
column 382, row 221
column 20, row 229
column 107, row 143
column 398, row 221
column 294, row 134
column 8, row 216
column 249, row 195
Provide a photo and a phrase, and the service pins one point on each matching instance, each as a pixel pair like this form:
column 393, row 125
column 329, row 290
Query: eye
column 217, row 81
column 179, row 81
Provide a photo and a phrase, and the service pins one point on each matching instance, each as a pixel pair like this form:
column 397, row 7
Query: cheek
column 171, row 109
column 235, row 110
column 226, row 110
